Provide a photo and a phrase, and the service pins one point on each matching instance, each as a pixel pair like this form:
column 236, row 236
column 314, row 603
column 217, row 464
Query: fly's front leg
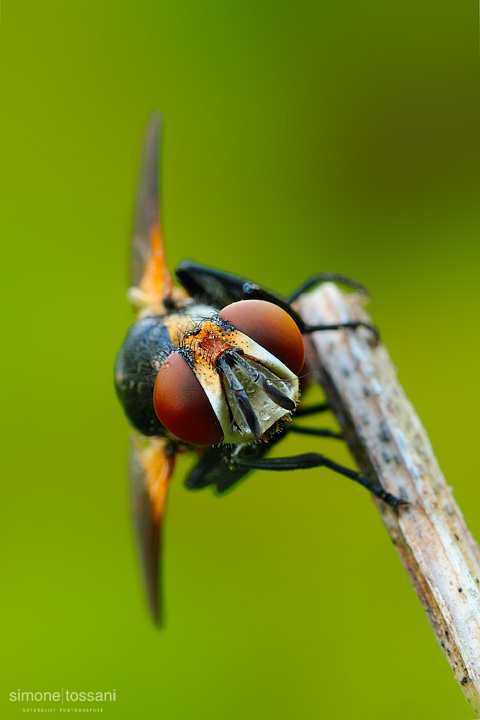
column 312, row 409
column 257, row 292
column 326, row 277
column 350, row 325
column 318, row 432
column 252, row 291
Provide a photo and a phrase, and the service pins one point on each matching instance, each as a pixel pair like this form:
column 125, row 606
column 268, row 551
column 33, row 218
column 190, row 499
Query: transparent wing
column 151, row 465
column 148, row 269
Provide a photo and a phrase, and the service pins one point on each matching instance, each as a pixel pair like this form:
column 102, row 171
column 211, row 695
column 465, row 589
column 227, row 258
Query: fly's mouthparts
column 257, row 397
column 239, row 394
column 266, row 384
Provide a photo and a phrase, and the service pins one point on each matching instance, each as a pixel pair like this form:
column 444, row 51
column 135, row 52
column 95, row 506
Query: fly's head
column 234, row 376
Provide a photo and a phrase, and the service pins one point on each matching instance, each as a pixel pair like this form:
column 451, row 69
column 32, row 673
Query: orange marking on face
column 212, row 341
column 214, row 347
column 156, row 281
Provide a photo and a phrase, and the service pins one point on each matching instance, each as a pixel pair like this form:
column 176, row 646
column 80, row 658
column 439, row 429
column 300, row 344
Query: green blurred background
column 298, row 137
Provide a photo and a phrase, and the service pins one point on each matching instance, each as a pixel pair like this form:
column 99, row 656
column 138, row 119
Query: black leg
column 312, row 409
column 252, row 291
column 326, row 277
column 257, row 292
column 307, row 329
column 221, row 288
column 319, row 432
column 313, row 460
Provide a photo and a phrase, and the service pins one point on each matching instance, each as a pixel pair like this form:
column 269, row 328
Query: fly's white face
column 233, row 376
column 259, row 374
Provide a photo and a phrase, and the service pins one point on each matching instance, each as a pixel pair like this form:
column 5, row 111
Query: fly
column 211, row 367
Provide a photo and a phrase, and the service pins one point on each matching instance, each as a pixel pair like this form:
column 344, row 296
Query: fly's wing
column 215, row 468
column 148, row 270
column 150, row 468
column 209, row 285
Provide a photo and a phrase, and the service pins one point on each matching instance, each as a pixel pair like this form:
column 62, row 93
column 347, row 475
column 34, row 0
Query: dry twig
column 391, row 447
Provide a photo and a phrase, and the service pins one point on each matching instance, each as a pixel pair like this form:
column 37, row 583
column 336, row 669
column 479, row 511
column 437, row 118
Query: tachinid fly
column 211, row 368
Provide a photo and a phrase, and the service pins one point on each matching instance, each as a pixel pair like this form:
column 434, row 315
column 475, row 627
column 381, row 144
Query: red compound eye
column 271, row 327
column 182, row 405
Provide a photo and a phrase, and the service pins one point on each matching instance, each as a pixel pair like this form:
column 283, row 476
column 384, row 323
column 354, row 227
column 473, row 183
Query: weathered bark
column 391, row 447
